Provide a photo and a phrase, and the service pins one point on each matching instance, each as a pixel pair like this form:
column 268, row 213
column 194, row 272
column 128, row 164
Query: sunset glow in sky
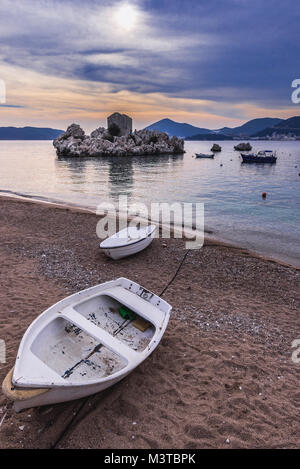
column 210, row 63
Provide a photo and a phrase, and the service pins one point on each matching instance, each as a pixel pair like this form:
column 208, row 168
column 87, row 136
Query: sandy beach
column 223, row 375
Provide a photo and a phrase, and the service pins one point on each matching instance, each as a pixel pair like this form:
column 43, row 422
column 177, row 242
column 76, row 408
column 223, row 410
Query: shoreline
column 222, row 376
column 209, row 237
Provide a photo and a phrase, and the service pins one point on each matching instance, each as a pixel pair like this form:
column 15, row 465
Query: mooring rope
column 176, row 273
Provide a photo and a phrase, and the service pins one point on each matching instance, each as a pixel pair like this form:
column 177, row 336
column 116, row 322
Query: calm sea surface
column 234, row 208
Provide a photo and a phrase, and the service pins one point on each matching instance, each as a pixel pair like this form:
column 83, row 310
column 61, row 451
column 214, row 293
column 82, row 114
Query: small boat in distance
column 266, row 156
column 128, row 241
column 205, row 155
column 85, row 343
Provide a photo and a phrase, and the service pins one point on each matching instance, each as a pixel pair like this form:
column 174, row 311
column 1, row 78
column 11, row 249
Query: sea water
column 231, row 191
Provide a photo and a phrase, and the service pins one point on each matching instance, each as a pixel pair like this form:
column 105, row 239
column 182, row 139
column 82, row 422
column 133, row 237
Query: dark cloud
column 231, row 51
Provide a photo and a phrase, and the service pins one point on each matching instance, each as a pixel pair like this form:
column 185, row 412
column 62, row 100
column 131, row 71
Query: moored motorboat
column 86, row 343
column 266, row 156
column 128, row 241
column 205, row 155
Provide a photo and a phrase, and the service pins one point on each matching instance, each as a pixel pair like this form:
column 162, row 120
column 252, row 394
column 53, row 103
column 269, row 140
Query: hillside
column 210, row 137
column 251, row 127
column 28, row 133
column 291, row 123
column 177, row 129
column 190, row 132
column 288, row 127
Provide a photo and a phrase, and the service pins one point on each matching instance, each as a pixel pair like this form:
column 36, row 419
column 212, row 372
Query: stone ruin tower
column 122, row 121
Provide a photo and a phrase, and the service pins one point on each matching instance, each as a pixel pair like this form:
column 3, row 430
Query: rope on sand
column 176, row 273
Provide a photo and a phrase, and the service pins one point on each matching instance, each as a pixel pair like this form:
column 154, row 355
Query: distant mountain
column 288, row 127
column 210, row 137
column 28, row 133
column 187, row 131
column 175, row 128
column 251, row 127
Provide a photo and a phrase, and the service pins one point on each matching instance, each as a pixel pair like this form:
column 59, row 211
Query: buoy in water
column 264, row 195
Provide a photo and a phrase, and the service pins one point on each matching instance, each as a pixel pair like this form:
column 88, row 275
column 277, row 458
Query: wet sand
column 222, row 377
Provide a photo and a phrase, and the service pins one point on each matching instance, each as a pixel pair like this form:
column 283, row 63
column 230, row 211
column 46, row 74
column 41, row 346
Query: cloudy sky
column 210, row 63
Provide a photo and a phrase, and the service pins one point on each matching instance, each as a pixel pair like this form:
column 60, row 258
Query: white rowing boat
column 128, row 241
column 86, row 343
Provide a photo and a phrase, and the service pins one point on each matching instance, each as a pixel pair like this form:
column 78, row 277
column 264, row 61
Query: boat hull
column 129, row 250
column 128, row 241
column 202, row 155
column 258, row 159
column 56, row 395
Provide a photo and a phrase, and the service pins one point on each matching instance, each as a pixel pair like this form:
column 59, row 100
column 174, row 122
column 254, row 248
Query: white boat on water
column 86, row 343
column 128, row 241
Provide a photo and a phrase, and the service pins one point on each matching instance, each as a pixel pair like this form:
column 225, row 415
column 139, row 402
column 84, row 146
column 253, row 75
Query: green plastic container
column 127, row 313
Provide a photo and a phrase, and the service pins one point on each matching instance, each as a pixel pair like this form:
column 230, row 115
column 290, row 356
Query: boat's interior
column 72, row 353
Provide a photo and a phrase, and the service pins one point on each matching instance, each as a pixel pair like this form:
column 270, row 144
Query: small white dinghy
column 86, row 343
column 128, row 241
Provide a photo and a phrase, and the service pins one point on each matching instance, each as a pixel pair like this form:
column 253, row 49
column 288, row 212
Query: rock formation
column 216, row 148
column 102, row 142
column 243, row 147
